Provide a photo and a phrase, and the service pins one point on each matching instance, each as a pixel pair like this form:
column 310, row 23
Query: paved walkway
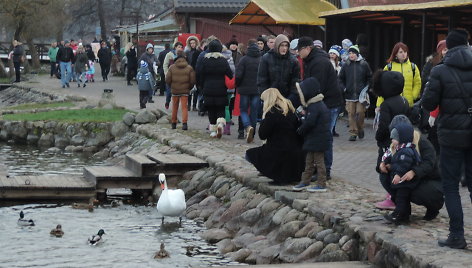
column 353, row 161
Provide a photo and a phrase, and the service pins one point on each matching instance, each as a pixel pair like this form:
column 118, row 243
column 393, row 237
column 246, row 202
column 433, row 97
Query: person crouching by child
column 180, row 78
column 145, row 83
column 402, row 157
column 316, row 133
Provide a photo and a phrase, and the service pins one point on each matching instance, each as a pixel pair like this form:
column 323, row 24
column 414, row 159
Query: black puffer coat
column 389, row 85
column 104, row 55
column 212, row 76
column 132, row 58
column 318, row 65
column 315, row 129
column 278, row 71
column 246, row 72
column 354, row 76
column 454, row 122
column 281, row 157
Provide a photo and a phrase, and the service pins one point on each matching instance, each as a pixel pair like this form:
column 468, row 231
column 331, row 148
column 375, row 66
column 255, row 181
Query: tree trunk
column 101, row 17
column 122, row 12
column 34, row 54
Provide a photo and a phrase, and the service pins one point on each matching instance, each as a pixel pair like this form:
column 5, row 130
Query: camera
column 300, row 113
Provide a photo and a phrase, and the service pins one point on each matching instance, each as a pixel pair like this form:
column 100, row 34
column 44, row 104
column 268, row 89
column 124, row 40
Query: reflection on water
column 133, row 236
column 133, row 233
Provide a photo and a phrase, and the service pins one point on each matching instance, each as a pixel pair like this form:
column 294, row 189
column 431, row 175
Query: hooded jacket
column 132, row 59
column 104, row 55
column 412, row 88
column 389, row 85
column 145, row 79
column 318, row 65
column 192, row 54
column 354, row 76
column 454, row 122
column 315, row 129
column 81, row 60
column 150, row 58
column 180, row 77
column 278, row 71
column 246, row 72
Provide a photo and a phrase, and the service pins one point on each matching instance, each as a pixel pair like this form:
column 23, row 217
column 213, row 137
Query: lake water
column 133, row 232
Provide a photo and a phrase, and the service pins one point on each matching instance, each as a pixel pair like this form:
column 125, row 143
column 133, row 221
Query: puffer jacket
column 180, row 77
column 354, row 76
column 454, row 122
column 104, row 55
column 412, row 88
column 212, row 76
column 315, row 129
column 246, row 72
column 81, row 60
column 318, row 65
column 145, row 79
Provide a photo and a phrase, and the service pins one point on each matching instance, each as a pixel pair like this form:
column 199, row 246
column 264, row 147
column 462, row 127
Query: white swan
column 171, row 203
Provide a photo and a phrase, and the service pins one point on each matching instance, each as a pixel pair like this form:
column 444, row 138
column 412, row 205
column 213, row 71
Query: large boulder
column 100, row 138
column 215, row 235
column 60, row 141
column 145, row 117
column 119, row 129
column 128, row 119
column 46, row 140
column 77, row 140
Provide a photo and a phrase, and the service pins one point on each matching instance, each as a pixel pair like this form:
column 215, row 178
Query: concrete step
column 176, row 164
column 140, row 165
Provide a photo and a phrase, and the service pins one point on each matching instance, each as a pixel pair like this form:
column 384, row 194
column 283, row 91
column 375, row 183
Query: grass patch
column 30, row 106
column 82, row 115
column 5, row 80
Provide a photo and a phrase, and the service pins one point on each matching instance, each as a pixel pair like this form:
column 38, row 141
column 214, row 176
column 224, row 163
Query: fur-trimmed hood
column 214, row 55
column 309, row 91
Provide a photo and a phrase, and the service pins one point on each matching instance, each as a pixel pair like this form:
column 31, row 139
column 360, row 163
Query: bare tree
column 101, row 17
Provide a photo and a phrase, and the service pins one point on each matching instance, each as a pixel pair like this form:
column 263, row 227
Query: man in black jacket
column 450, row 88
column 65, row 56
column 160, row 63
column 317, row 64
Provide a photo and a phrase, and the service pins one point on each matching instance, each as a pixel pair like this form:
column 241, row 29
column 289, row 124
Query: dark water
column 133, row 232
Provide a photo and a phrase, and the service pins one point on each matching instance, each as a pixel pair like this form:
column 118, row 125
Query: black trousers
column 143, row 98
column 402, row 201
column 53, row 68
column 132, row 72
column 17, row 66
column 105, row 69
column 215, row 112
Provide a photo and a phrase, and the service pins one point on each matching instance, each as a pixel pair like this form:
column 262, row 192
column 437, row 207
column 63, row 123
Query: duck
column 96, row 239
column 57, row 232
column 88, row 205
column 23, row 222
column 162, row 253
column 171, row 203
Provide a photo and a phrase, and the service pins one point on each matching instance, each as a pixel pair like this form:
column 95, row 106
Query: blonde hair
column 273, row 98
column 128, row 46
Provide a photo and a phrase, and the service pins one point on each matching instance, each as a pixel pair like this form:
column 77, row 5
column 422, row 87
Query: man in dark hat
column 450, row 87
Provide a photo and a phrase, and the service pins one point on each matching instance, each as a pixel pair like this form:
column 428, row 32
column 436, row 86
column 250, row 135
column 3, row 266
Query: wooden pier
column 139, row 174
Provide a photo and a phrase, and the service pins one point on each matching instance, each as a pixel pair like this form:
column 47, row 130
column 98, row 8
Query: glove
column 431, row 121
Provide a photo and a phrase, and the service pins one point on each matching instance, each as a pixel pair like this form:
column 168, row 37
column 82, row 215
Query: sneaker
column 249, row 134
column 361, row 134
column 430, row 215
column 240, row 135
column 453, row 242
column 174, row 125
column 316, row 189
column 353, row 138
column 184, row 126
column 167, row 106
column 85, row 84
column 78, row 85
column 387, row 204
column 299, row 187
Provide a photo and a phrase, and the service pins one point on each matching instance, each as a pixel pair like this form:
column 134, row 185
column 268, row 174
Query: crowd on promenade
column 294, row 91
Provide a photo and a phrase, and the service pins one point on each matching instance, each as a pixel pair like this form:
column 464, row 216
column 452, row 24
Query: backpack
column 413, row 67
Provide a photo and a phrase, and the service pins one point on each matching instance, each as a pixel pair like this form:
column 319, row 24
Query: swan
column 96, row 239
column 171, row 203
column 23, row 222
column 57, row 232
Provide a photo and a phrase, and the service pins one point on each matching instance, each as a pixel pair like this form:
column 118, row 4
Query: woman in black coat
column 280, row 158
column 214, row 68
column 104, row 58
column 132, row 65
column 17, row 56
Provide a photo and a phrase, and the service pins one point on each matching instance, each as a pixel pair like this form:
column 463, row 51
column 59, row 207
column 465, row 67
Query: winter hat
column 346, row 43
column 318, row 43
column 404, row 133
column 279, row 40
column 304, row 41
column 294, row 44
column 354, row 49
column 66, row 42
column 233, row 41
column 334, row 49
column 456, row 38
column 388, row 83
column 149, row 46
column 215, row 46
column 441, row 45
column 399, row 119
column 144, row 64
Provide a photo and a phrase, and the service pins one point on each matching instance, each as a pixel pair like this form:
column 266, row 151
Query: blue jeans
column 328, row 156
column 451, row 163
column 334, row 113
column 246, row 102
column 65, row 67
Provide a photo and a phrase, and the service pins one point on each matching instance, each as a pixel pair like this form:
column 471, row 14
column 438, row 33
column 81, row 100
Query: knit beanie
column 294, row 44
column 404, row 133
column 354, row 49
column 318, row 43
column 441, row 45
column 144, row 64
column 456, row 38
column 334, row 49
column 346, row 43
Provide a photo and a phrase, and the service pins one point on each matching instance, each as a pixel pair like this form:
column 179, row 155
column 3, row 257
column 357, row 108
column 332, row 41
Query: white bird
column 23, row 222
column 171, row 203
column 96, row 239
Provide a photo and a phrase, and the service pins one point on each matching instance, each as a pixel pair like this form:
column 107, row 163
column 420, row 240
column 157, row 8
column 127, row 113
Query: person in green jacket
column 52, row 57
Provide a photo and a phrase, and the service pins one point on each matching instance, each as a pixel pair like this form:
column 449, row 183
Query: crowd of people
column 295, row 90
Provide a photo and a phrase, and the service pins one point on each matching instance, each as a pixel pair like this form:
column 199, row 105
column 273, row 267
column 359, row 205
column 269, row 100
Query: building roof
column 209, row 6
column 299, row 12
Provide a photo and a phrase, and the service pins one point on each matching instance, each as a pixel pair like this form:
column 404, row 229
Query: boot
column 220, row 125
column 213, row 131
column 227, row 130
